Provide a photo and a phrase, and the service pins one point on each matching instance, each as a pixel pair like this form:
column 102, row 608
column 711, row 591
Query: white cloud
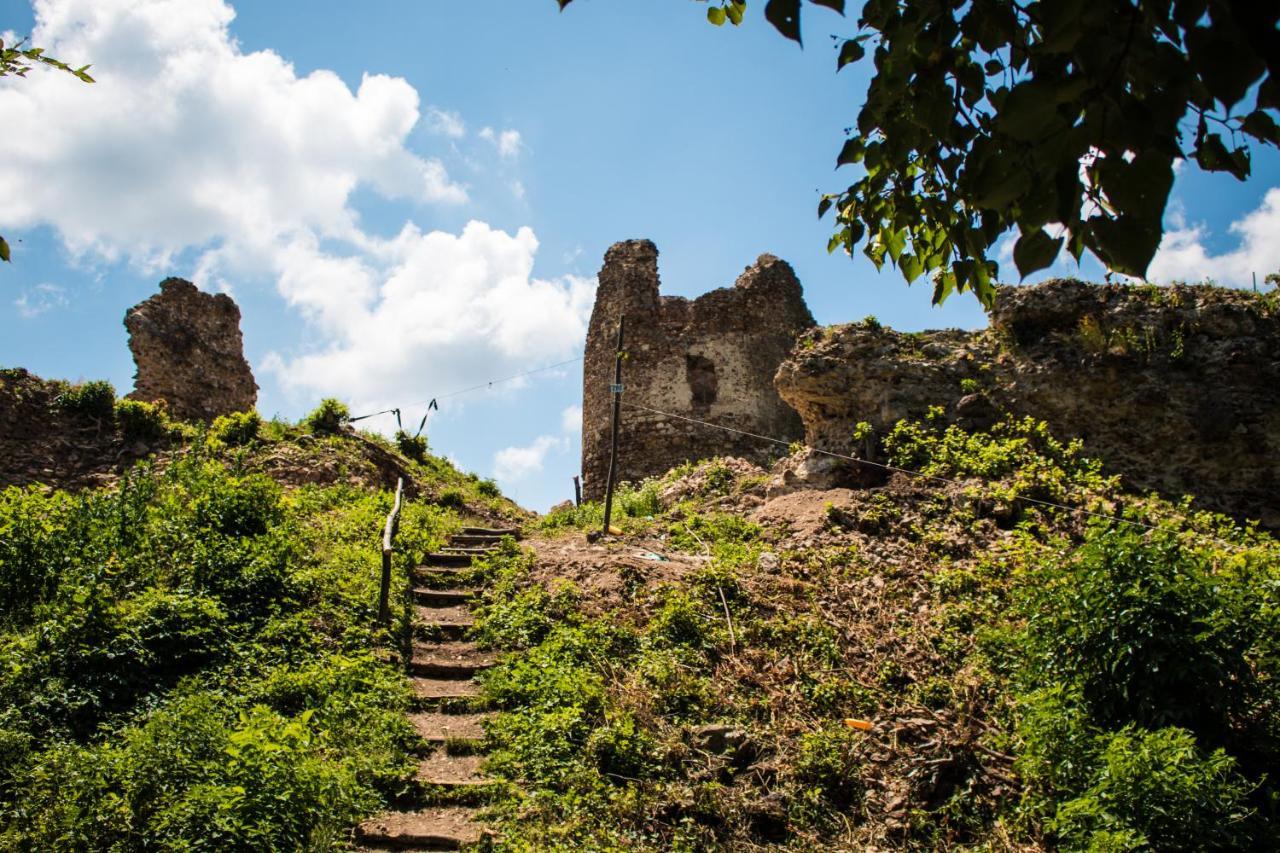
column 507, row 142
column 186, row 140
column 40, row 299
column 513, row 464
column 425, row 313
column 1183, row 256
column 571, row 419
column 445, row 123
column 188, row 143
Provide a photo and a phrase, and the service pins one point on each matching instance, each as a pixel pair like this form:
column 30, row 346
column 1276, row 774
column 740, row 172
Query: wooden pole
column 388, row 538
column 616, row 390
column 577, row 491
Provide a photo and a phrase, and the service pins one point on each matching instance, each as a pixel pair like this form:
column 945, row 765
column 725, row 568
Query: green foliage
column 827, row 764
column 328, row 418
column 629, row 502
column 142, row 421
column 1058, row 120
column 487, row 488
column 95, row 399
column 237, row 429
column 412, row 446
column 189, row 663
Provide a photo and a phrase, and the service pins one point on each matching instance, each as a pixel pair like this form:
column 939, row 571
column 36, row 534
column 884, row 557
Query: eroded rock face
column 1175, row 388
column 711, row 358
column 189, row 352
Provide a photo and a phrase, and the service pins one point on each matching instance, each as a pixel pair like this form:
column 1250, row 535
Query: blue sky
column 410, row 198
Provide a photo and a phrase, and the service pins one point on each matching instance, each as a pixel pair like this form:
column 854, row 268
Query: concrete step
column 442, row 597
column 435, row 727
column 490, row 531
column 474, row 540
column 445, row 558
column 428, row 829
column 449, row 660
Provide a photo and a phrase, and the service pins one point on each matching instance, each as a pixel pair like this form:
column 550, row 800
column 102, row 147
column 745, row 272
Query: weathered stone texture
column 711, row 358
column 1177, row 389
column 189, row 353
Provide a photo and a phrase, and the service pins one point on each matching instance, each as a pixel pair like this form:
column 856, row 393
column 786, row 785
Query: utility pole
column 616, row 390
column 577, row 491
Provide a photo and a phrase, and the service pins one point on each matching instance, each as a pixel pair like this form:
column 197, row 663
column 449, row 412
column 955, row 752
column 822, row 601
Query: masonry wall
column 1177, row 389
column 712, row 358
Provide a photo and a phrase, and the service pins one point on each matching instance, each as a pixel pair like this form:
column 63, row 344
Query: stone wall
column 188, row 351
column 1175, row 388
column 711, row 358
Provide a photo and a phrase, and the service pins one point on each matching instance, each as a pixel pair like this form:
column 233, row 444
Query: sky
column 408, row 200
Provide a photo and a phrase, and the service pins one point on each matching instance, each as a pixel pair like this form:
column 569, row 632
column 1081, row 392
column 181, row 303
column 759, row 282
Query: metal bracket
column 616, row 389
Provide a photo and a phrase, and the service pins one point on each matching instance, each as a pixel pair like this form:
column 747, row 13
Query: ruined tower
column 189, row 352
column 712, row 358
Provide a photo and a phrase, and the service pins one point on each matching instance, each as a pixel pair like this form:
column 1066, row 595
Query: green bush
column 1148, row 633
column 487, row 488
column 141, row 421
column 1157, row 790
column 328, row 418
column 95, row 399
column 412, row 446
column 236, row 429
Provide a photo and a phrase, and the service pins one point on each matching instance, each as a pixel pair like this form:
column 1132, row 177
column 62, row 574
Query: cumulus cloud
column 507, row 142
column 186, row 140
column 571, row 419
column 512, row 464
column 189, row 148
column 1183, row 255
column 446, row 311
column 42, row 298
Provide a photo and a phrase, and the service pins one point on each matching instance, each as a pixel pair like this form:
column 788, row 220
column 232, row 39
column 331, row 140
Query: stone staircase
column 440, row 813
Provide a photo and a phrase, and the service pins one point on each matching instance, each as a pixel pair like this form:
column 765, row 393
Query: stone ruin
column 189, row 353
column 1177, row 389
column 712, row 358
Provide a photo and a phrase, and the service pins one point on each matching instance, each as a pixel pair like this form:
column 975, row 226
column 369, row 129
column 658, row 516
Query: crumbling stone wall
column 1175, row 388
column 189, row 352
column 711, row 358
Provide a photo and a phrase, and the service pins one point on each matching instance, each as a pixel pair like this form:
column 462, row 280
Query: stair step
column 476, row 540
column 442, row 597
column 428, row 829
column 469, row 550
column 452, row 771
column 445, row 558
column 450, row 660
column 443, row 623
column 490, row 531
column 445, row 688
column 435, row 727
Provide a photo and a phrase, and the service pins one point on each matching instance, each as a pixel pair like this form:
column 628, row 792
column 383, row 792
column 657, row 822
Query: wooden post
column 388, row 547
column 616, row 390
column 577, row 491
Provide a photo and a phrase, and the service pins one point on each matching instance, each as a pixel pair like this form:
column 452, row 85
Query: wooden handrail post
column 616, row 390
column 388, row 547
column 577, row 491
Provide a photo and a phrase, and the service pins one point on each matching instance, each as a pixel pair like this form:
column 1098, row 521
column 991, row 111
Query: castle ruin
column 712, row 358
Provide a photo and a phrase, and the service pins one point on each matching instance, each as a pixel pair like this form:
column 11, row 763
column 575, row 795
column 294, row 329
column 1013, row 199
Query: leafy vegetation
column 190, row 658
column 329, row 417
column 1013, row 674
column 1060, row 120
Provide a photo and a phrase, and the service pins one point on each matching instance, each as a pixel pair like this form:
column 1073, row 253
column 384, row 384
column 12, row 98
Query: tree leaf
column 1035, row 251
column 1126, row 243
column 851, row 152
column 838, row 5
column 716, row 15
column 4, row 250
column 785, row 17
column 851, row 51
column 734, row 10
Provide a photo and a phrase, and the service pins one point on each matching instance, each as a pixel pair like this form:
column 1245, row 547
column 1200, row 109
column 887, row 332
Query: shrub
column 236, row 429
column 329, row 417
column 142, row 421
column 412, row 446
column 1145, row 631
column 95, row 399
column 487, row 488
column 1157, row 790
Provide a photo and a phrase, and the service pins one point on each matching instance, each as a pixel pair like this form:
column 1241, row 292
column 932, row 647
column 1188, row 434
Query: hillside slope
column 918, row 664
